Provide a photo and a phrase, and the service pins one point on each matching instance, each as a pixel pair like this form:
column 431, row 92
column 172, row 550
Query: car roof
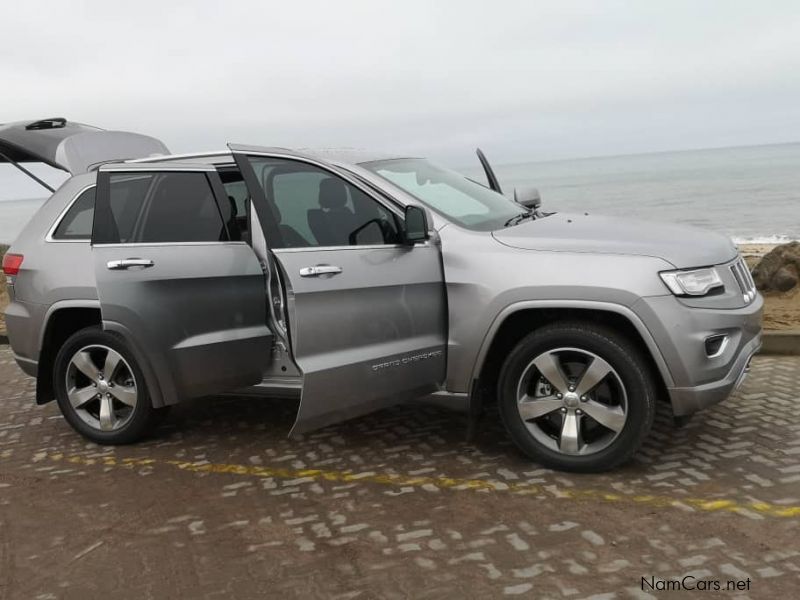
column 338, row 156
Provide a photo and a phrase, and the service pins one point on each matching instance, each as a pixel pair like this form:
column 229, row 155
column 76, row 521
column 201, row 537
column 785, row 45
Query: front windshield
column 462, row 201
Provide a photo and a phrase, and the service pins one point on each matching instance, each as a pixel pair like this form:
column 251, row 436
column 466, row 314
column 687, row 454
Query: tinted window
column 162, row 208
column 77, row 223
column 127, row 193
column 181, row 208
column 235, row 213
column 313, row 207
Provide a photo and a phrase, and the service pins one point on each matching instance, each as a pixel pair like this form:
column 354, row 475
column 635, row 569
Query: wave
column 766, row 239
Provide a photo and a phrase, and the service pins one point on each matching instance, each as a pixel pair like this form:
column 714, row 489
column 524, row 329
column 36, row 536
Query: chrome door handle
column 127, row 263
column 319, row 270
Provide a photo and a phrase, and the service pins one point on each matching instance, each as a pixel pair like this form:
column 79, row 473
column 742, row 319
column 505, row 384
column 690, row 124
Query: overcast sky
column 527, row 80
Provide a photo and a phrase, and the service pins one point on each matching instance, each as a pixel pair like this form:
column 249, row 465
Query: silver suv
column 356, row 281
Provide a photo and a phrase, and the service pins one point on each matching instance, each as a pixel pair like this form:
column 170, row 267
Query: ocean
column 749, row 193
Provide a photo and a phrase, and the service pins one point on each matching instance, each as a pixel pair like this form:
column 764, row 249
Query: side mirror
column 416, row 225
column 528, row 197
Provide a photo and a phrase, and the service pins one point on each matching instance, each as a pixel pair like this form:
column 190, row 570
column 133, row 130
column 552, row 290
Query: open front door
column 172, row 278
column 367, row 313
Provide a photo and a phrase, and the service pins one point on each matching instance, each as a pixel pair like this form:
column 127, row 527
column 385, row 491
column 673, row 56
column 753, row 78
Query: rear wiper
column 516, row 219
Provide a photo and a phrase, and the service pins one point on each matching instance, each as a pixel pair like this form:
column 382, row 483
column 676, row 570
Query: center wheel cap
column 572, row 400
column 102, row 387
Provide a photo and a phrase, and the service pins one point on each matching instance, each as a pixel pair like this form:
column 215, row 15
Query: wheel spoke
column 110, row 366
column 612, row 417
column 533, row 408
column 570, row 439
column 550, row 368
column 79, row 397
column 592, row 376
column 84, row 363
column 107, row 417
column 125, row 394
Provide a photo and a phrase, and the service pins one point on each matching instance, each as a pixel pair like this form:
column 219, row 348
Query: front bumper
column 688, row 400
column 697, row 379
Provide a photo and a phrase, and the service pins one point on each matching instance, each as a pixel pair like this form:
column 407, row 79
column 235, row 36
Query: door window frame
column 251, row 180
column 103, row 192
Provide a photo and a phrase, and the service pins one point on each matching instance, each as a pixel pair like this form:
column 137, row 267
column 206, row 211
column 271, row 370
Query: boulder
column 779, row 270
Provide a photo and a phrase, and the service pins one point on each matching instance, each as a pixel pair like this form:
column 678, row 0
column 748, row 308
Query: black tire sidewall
column 620, row 354
column 143, row 413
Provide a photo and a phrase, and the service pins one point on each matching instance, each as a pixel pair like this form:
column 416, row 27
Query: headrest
column 332, row 193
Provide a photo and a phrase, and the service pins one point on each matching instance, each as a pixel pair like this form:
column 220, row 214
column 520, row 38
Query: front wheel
column 100, row 388
column 577, row 397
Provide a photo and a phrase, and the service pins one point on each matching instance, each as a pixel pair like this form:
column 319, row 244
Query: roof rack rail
column 54, row 123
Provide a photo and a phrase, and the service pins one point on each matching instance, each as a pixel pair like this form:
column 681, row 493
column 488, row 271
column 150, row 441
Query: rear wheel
column 577, row 397
column 100, row 388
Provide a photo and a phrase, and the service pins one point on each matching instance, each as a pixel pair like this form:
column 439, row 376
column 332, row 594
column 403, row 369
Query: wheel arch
column 518, row 320
column 66, row 318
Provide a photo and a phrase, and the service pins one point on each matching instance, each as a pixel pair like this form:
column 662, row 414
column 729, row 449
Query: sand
column 781, row 311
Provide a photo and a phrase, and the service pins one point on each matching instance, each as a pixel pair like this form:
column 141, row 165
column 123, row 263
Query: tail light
column 12, row 263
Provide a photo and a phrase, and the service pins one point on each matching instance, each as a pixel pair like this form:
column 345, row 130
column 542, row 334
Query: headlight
column 692, row 283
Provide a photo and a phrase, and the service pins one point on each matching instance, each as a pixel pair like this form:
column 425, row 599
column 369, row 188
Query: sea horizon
column 750, row 193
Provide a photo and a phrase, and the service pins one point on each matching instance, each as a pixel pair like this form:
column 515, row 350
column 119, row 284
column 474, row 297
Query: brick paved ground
column 395, row 505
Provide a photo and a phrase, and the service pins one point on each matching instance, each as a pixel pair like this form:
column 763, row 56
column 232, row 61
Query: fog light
column 715, row 345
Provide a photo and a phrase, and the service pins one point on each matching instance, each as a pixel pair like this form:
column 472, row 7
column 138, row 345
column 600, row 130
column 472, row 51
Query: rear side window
column 127, row 194
column 152, row 208
column 77, row 223
column 182, row 208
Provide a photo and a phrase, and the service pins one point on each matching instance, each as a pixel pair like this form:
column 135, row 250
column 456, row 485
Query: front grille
column 745, row 280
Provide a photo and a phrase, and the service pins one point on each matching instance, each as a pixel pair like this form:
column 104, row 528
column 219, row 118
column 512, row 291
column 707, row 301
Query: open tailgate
column 72, row 147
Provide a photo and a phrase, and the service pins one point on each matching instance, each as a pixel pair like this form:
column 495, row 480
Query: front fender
column 619, row 309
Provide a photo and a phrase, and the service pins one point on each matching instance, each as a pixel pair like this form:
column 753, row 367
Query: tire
column 558, row 429
column 105, row 420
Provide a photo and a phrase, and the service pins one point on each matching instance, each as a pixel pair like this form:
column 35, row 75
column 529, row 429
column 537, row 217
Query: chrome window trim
column 147, row 168
column 163, row 244
column 349, row 247
column 168, row 157
column 49, row 237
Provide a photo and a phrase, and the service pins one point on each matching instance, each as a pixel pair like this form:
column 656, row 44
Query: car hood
column 682, row 246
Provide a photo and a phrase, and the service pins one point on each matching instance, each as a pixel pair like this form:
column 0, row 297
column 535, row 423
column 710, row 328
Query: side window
column 169, row 207
column 235, row 213
column 181, row 208
column 77, row 223
column 127, row 193
column 316, row 208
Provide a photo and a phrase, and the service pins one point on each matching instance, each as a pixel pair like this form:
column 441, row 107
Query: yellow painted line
column 396, row 480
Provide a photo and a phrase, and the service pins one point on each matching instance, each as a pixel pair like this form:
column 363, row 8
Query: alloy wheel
column 572, row 401
column 101, row 387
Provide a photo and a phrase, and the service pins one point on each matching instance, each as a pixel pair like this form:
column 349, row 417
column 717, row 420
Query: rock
column 785, row 278
column 779, row 270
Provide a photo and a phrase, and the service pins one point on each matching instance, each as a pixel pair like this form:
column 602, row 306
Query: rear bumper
column 23, row 335
column 688, row 400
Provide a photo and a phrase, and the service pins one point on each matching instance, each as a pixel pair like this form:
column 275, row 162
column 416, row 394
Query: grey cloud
column 526, row 80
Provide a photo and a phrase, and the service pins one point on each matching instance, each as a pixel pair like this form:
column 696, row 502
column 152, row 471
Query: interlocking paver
column 221, row 504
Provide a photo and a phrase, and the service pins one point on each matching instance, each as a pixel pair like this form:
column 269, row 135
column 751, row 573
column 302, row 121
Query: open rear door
column 172, row 279
column 71, row 147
